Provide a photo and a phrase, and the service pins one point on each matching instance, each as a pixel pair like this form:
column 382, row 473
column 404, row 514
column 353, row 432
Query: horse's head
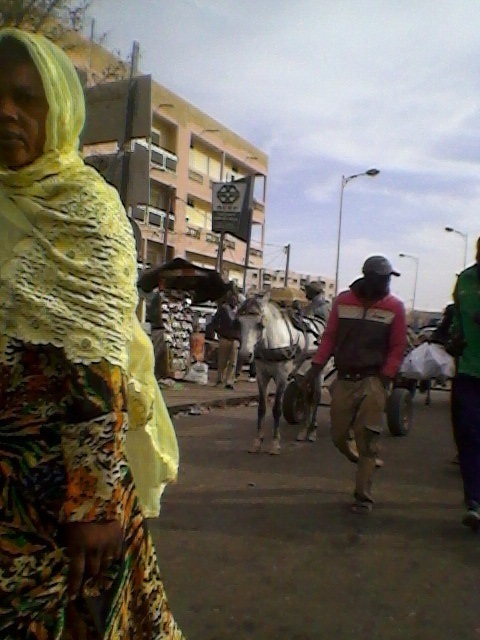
column 251, row 318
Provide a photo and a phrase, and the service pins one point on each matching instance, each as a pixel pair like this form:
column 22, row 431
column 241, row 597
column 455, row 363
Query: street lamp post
column 465, row 242
column 345, row 180
column 415, row 258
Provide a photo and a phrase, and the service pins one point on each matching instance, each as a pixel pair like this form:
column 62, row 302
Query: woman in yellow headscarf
column 76, row 558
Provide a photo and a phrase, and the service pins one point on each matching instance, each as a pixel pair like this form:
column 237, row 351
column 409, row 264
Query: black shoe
column 472, row 519
column 229, row 386
column 361, row 506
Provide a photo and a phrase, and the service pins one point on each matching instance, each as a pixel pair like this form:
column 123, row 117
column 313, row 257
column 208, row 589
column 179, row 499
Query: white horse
column 270, row 337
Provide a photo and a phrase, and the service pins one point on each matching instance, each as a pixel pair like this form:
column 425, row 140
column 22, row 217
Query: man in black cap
column 366, row 334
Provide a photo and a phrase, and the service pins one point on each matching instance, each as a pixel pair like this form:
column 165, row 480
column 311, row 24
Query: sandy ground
column 263, row 547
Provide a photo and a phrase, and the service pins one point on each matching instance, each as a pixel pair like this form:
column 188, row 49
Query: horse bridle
column 260, row 314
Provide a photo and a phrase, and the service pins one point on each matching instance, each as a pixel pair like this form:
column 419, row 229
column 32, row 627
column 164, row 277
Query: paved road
column 263, row 547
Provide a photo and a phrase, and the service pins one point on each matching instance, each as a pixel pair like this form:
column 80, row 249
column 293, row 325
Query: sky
column 332, row 88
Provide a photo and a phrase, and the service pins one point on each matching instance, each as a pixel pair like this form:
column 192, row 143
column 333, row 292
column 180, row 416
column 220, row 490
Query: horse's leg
column 262, row 382
column 312, row 409
column 280, row 386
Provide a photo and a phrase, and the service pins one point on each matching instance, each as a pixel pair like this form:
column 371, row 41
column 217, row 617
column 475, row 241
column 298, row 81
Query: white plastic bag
column 198, row 373
column 428, row 360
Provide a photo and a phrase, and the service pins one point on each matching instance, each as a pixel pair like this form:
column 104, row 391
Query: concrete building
column 264, row 279
column 188, row 151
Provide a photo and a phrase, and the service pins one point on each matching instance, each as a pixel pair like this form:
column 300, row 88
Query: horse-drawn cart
column 399, row 408
column 423, row 363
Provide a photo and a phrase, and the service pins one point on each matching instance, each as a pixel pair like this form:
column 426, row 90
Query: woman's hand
column 91, row 547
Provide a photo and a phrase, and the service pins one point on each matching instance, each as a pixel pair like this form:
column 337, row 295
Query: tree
column 55, row 19
column 34, row 14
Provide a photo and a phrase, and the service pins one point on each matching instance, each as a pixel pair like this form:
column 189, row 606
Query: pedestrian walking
column 366, row 334
column 76, row 372
column 464, row 345
column 228, row 329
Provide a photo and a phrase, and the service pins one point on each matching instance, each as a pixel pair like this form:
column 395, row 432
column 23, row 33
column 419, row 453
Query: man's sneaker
column 472, row 519
column 361, row 506
column 252, row 379
column 379, row 463
column 229, row 386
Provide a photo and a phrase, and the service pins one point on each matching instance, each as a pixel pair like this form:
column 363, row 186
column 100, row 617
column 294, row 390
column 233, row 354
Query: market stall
column 179, row 284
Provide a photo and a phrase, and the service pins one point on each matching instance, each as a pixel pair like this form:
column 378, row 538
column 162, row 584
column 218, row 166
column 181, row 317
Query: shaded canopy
column 204, row 284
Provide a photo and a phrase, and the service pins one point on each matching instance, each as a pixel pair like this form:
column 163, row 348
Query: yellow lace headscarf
column 68, row 267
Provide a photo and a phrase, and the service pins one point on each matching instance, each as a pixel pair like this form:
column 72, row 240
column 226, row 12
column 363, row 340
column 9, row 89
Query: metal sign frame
column 232, row 204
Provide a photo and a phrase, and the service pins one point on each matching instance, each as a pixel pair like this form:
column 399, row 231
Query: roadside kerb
column 183, row 397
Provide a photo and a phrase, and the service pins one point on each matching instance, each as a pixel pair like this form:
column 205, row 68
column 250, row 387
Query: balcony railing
column 215, row 239
column 196, row 176
column 212, row 237
column 193, row 232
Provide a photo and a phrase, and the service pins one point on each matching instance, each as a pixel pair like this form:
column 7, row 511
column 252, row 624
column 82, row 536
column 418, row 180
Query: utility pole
column 221, row 244
column 247, row 253
column 222, row 234
column 287, row 266
column 129, row 124
column 92, row 40
column 166, row 225
column 135, row 59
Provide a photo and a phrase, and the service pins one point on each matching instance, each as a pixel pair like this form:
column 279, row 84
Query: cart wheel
column 399, row 411
column 293, row 405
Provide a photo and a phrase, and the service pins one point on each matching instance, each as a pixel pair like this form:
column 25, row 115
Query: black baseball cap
column 380, row 266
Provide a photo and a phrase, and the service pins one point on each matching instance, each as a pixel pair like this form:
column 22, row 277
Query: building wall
column 265, row 279
column 189, row 150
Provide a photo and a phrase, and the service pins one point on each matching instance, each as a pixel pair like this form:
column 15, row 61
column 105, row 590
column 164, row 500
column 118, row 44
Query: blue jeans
column 466, row 429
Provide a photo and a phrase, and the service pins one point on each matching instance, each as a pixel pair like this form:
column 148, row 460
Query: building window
column 155, row 219
column 158, row 159
column 171, row 163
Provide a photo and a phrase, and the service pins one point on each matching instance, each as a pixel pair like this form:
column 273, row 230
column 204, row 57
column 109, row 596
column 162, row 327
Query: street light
column 415, row 258
column 465, row 240
column 345, row 180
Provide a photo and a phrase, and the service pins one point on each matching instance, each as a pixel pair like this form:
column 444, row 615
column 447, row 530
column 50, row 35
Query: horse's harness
column 305, row 325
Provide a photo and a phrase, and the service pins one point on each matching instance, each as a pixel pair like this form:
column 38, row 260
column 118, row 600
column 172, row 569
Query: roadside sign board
column 232, row 207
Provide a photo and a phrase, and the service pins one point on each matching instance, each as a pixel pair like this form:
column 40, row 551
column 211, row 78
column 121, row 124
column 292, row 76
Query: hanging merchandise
column 176, row 328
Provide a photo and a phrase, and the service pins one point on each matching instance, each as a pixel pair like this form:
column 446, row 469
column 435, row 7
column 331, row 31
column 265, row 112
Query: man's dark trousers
column 466, row 429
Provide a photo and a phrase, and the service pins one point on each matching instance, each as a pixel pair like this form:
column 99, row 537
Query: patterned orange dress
column 62, row 435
